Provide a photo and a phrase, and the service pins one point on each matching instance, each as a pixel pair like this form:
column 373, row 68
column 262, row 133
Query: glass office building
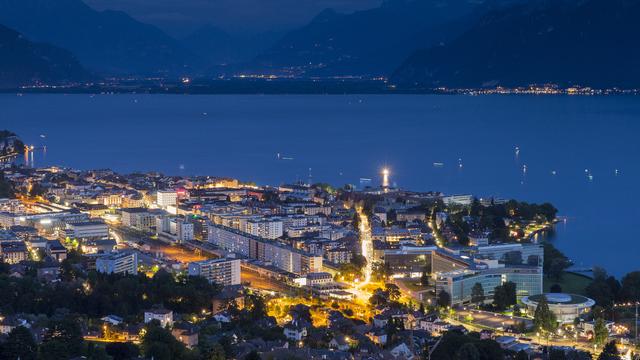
column 459, row 284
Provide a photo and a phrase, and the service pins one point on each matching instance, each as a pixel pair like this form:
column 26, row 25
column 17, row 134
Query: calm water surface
column 580, row 153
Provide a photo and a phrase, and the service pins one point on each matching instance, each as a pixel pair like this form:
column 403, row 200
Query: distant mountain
column 371, row 42
column 23, row 62
column 586, row 42
column 217, row 47
column 104, row 41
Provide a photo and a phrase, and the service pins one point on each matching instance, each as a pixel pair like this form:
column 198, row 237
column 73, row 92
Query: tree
column 62, row 340
column 301, row 312
column 500, row 301
column 256, row 305
column 158, row 351
column 217, row 353
column 37, row 190
column 610, row 352
column 468, row 351
column 122, row 351
column 510, row 290
column 6, row 187
column 557, row 354
column 444, row 299
column 379, row 298
column 614, row 286
column 600, row 332
column 253, row 355
column 521, row 327
column 475, row 209
column 554, row 262
column 522, row 355
column 424, row 278
column 477, row 294
column 600, row 291
column 631, row 286
column 556, row 288
column 67, row 273
column 544, row 319
column 210, row 350
column 393, row 290
column 160, row 344
column 20, row 344
column 95, row 352
column 350, row 271
column 359, row 261
column 54, row 350
column 505, row 295
column 453, row 341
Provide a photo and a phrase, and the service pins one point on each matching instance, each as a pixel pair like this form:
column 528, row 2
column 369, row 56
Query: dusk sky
column 232, row 15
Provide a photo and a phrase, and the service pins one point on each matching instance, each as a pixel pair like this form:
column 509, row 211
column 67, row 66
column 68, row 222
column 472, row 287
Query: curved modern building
column 566, row 307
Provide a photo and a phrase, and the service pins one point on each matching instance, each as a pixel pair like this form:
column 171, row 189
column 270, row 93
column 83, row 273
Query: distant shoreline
column 296, row 87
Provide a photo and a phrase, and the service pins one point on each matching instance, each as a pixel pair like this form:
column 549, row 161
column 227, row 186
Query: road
column 366, row 243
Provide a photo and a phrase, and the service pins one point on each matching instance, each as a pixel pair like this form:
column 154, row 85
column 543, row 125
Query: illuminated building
column 56, row 250
column 220, row 271
column 164, row 316
column 281, row 256
column 166, row 198
column 13, row 252
column 139, row 218
column 88, row 230
column 459, row 284
column 118, row 263
column 174, row 229
column 457, row 200
column 566, row 307
column 409, row 261
column 268, row 228
column 531, row 254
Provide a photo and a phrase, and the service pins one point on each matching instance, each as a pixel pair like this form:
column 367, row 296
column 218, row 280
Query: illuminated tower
column 385, row 179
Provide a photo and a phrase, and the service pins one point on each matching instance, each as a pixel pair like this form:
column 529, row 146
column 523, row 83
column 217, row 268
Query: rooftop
column 559, row 299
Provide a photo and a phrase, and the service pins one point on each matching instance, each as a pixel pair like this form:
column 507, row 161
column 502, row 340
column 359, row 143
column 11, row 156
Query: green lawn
column 570, row 283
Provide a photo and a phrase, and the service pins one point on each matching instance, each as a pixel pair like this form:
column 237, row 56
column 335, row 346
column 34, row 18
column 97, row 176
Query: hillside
column 371, row 42
column 23, row 62
column 589, row 43
column 217, row 47
column 108, row 42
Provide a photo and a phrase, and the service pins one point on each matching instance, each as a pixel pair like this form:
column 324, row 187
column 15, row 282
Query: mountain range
column 217, row 47
column 370, row 42
column 23, row 62
column 106, row 42
column 587, row 42
column 417, row 44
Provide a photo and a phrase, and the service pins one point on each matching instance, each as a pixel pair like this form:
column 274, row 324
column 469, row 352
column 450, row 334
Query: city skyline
column 319, row 179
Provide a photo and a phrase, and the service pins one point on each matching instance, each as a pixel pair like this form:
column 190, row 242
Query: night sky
column 180, row 16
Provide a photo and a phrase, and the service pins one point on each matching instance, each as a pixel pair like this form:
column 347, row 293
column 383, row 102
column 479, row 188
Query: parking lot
column 492, row 320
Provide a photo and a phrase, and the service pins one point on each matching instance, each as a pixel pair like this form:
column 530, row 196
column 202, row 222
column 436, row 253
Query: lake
column 579, row 153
